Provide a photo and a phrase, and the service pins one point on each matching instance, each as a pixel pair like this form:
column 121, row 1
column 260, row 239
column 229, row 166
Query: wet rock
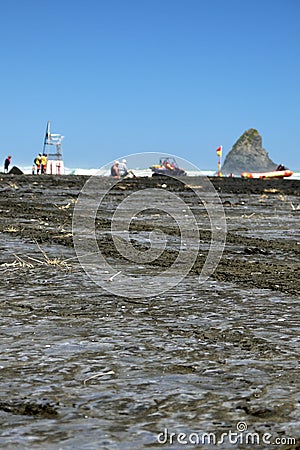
column 255, row 251
column 254, row 410
column 44, row 409
column 15, row 171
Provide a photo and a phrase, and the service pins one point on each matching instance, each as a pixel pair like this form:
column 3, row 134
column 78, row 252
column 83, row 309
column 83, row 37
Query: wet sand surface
column 82, row 368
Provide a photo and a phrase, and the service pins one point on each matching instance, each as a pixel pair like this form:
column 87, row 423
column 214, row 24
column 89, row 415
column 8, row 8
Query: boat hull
column 273, row 174
column 164, row 171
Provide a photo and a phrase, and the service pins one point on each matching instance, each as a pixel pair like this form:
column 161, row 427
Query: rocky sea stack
column 247, row 155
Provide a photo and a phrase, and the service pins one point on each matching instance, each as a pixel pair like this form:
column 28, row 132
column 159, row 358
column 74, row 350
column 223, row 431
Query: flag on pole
column 219, row 151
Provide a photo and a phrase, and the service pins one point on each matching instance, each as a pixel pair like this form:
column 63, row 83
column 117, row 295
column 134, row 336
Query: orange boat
column 280, row 172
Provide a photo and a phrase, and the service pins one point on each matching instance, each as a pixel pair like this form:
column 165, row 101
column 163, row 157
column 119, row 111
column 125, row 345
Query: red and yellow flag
column 219, row 151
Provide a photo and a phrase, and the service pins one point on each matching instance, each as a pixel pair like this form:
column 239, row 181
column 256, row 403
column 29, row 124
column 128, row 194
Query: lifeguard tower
column 55, row 164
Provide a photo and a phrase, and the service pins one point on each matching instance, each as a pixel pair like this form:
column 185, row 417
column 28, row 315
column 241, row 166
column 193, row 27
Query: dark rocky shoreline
column 39, row 208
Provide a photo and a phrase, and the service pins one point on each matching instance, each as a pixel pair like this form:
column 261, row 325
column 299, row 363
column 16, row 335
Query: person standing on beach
column 37, row 162
column 7, row 163
column 44, row 161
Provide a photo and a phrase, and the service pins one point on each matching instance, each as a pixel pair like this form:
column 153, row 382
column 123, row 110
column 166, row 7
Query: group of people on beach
column 120, row 170
column 40, row 164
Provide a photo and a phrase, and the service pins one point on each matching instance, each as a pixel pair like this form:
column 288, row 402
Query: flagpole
column 47, row 136
column 219, row 153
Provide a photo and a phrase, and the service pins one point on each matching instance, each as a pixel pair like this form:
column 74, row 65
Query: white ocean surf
column 146, row 172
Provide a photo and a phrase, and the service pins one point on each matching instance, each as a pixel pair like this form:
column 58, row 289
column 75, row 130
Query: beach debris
column 193, row 186
column 13, row 185
column 248, row 216
column 295, row 208
column 61, row 207
column 262, row 197
column 281, row 197
column 271, row 191
column 72, row 201
column 99, row 374
column 29, row 262
column 11, row 229
column 57, row 262
column 17, row 263
column 63, row 235
column 114, row 276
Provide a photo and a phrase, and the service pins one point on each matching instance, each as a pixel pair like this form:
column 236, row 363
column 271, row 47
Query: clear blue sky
column 122, row 76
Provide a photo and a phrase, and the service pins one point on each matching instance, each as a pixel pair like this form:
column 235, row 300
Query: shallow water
column 199, row 359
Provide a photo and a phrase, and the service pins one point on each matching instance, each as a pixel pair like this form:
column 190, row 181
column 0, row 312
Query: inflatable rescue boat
column 280, row 172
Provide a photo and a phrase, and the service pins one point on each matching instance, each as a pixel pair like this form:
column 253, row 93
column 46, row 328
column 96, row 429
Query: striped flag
column 219, row 151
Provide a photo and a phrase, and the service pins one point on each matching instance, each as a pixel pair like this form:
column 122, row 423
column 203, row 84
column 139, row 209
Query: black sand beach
column 83, row 368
